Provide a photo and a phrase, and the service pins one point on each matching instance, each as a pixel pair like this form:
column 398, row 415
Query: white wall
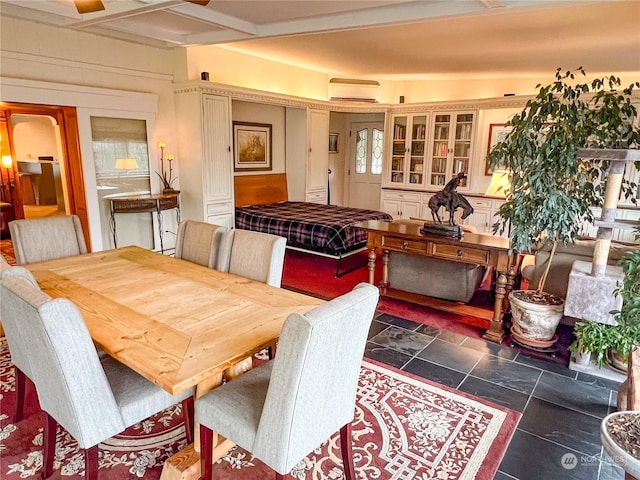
column 100, row 76
column 273, row 115
column 34, row 136
column 239, row 69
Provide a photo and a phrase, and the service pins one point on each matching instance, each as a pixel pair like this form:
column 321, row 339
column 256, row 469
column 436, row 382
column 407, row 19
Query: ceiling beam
column 402, row 13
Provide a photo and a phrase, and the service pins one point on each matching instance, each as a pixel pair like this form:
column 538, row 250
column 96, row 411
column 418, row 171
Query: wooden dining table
column 176, row 323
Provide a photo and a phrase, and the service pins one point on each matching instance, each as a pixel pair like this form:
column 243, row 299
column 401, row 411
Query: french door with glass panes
column 365, row 171
column 451, row 147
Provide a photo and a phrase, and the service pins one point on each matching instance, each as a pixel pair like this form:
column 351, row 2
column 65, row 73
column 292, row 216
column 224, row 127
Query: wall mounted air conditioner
column 347, row 89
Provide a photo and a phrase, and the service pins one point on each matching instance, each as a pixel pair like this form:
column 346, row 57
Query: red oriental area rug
column 404, row 427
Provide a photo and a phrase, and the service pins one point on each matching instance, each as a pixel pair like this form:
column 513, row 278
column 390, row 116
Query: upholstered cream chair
column 39, row 239
column 284, row 409
column 92, row 400
column 199, row 242
column 255, row 255
column 18, row 341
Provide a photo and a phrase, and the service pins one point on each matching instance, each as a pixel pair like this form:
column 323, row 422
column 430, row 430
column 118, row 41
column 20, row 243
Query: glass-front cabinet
column 451, row 147
column 408, row 150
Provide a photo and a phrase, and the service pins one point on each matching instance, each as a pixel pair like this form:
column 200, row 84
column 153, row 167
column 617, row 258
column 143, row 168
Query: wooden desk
column 144, row 203
column 174, row 322
column 478, row 249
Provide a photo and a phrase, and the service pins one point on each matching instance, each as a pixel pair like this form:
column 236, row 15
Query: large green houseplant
column 552, row 189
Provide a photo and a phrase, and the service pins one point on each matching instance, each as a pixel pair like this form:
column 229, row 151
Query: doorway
column 44, row 169
column 365, row 170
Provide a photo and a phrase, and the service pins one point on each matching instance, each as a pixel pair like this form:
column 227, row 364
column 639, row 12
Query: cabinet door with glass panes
column 451, row 145
column 408, row 150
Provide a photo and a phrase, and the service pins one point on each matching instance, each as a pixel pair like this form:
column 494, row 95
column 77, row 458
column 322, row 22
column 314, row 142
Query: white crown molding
column 96, row 67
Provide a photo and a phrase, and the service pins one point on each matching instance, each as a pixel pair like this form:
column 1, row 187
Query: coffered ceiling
column 376, row 38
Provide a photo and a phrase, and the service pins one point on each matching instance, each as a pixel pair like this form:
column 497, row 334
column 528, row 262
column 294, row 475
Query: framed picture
column 333, row 143
column 252, row 146
column 497, row 133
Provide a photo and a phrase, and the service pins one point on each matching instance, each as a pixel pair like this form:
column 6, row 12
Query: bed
column 262, row 205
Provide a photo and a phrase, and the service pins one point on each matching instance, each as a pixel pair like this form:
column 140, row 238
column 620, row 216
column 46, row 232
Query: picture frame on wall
column 497, row 133
column 252, row 146
column 333, row 143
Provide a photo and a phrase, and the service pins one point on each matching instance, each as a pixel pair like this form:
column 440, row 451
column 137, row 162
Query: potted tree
column 551, row 189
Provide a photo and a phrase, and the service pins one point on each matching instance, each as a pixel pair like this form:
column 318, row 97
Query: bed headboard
column 259, row 189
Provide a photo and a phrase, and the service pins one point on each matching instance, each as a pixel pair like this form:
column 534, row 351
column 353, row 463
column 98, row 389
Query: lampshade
column 7, row 161
column 126, row 164
column 500, row 183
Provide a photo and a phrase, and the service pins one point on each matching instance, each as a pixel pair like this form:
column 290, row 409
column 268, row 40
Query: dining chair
column 39, row 239
column 92, row 399
column 18, row 341
column 199, row 242
column 255, row 255
column 285, row 408
column 4, row 265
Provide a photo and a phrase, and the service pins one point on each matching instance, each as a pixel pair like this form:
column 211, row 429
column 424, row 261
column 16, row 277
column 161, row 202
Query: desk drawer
column 462, row 254
column 394, row 243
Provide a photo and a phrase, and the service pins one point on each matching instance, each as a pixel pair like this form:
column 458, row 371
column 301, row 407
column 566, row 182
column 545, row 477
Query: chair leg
column 206, row 453
column 49, row 444
column 272, row 352
column 187, row 415
column 347, row 452
column 91, row 463
column 20, row 395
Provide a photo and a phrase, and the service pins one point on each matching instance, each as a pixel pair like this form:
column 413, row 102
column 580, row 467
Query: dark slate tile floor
column 558, row 436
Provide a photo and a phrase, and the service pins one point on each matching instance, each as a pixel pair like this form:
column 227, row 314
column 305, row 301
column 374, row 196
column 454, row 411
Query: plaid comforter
column 321, row 228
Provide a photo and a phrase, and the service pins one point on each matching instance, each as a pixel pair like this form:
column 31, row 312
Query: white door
column 365, row 170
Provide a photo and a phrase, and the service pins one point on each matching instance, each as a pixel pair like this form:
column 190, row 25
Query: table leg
column 495, row 333
column 371, row 264
column 112, row 225
column 160, row 230
column 385, row 269
column 185, row 465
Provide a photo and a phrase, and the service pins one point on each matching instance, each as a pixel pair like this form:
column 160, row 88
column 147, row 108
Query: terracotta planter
column 618, row 362
column 535, row 315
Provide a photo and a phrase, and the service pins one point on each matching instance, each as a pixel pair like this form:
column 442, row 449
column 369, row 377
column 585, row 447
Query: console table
column 144, row 203
column 478, row 249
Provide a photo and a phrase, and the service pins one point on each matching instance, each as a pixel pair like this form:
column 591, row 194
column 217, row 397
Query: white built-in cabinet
column 426, row 150
column 451, row 147
column 407, row 159
column 205, row 155
column 405, row 204
column 317, row 165
column 401, row 204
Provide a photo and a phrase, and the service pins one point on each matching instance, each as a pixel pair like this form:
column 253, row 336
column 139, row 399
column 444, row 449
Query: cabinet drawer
column 401, row 196
column 480, row 203
column 471, row 255
column 394, row 243
column 218, row 208
column 316, row 197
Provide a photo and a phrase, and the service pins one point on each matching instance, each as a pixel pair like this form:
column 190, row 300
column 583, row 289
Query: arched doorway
column 63, row 124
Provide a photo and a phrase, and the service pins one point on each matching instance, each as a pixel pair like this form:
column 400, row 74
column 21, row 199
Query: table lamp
column 126, row 164
column 500, row 184
column 7, row 162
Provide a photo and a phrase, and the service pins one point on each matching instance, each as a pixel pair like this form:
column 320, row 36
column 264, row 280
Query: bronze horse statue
column 449, row 198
